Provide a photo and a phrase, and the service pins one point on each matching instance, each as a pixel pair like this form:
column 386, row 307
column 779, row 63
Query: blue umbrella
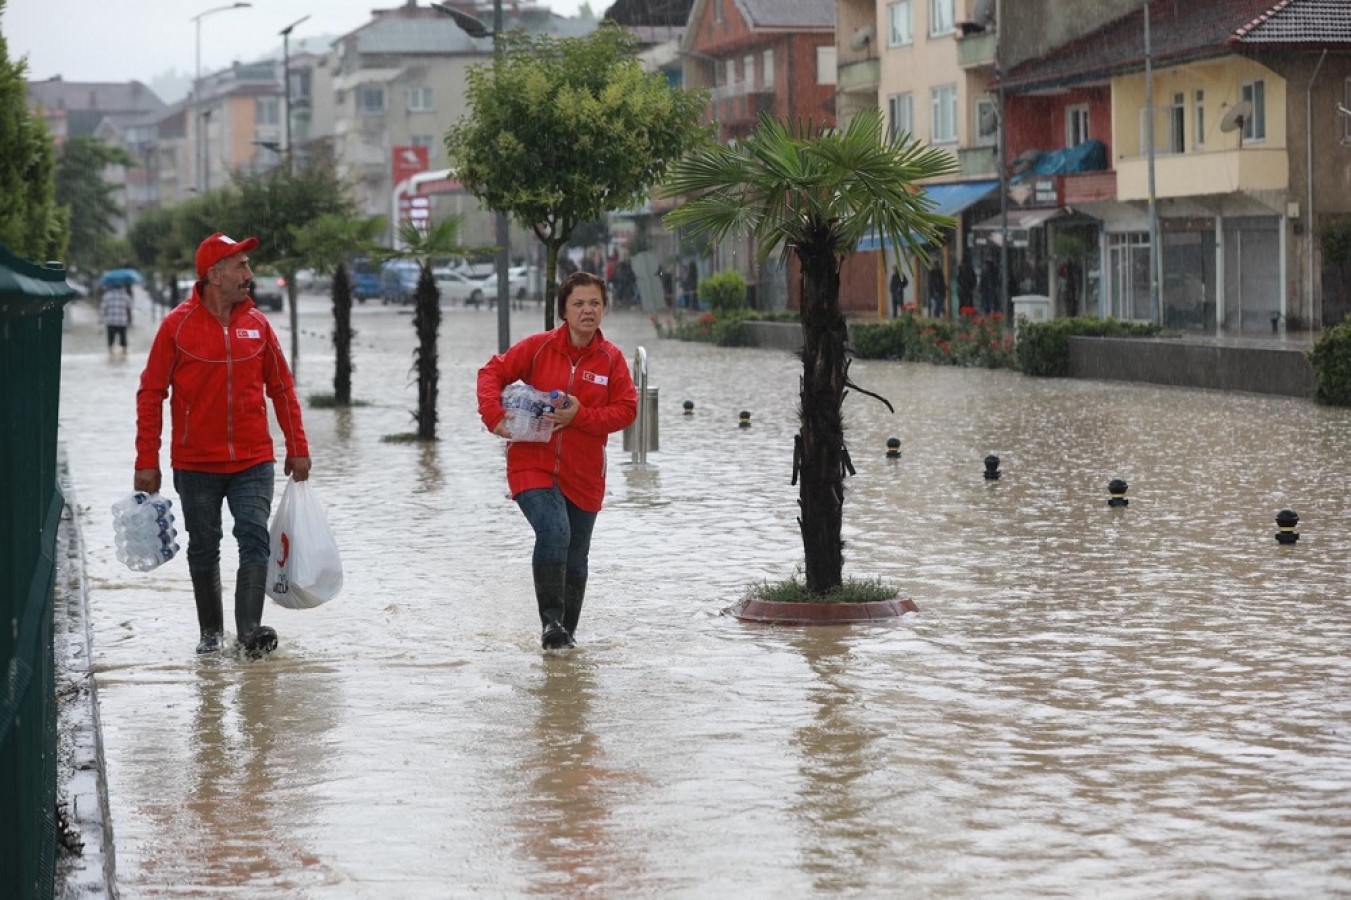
column 120, row 278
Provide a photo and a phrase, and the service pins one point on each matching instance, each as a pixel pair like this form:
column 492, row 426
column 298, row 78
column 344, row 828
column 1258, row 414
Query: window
column 731, row 74
column 767, row 68
column 1076, row 124
column 1255, row 125
column 748, row 70
column 1177, row 124
column 825, row 65
column 940, row 17
column 423, row 140
column 420, row 99
column 1199, row 133
column 898, row 31
column 370, row 100
column 987, row 122
column 717, row 11
column 901, row 114
column 267, row 111
column 944, row 115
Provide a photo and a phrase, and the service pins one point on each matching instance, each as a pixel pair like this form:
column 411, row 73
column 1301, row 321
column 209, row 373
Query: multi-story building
column 399, row 82
column 761, row 57
column 236, row 123
column 1212, row 157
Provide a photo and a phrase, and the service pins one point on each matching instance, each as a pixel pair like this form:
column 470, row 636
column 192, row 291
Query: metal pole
column 1315, row 315
column 503, row 236
column 1003, row 210
column 640, row 436
column 202, row 180
column 286, row 76
column 1155, row 257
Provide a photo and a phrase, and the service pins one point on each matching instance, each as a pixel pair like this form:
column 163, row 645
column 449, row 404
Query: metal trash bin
column 653, row 438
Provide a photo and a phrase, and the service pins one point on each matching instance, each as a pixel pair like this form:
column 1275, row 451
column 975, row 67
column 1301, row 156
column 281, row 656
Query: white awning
column 365, row 76
column 1021, row 219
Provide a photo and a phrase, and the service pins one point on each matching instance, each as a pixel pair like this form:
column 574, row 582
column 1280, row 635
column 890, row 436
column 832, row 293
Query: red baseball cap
column 218, row 247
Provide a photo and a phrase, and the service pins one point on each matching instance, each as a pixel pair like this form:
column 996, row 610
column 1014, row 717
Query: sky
column 89, row 40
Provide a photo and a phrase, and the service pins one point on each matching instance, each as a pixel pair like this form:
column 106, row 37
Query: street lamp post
column 200, row 181
column 286, row 81
column 476, row 29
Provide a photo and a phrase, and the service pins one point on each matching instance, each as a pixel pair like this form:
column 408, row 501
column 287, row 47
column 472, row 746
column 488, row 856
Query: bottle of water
column 144, row 532
column 526, row 408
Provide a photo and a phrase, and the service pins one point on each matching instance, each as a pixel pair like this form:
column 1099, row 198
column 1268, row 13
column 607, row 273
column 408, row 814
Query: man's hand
column 147, row 480
column 298, row 467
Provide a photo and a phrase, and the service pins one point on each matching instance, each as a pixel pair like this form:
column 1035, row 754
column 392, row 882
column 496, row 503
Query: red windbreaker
column 218, row 374
column 573, row 457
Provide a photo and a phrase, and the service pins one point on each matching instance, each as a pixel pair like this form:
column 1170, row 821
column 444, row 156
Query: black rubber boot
column 549, row 581
column 210, row 618
column 574, row 592
column 256, row 639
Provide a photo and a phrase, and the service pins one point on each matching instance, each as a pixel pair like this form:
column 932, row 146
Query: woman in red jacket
column 559, row 483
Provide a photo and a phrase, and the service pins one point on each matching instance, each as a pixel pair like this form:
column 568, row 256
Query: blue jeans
column 562, row 530
column 249, row 494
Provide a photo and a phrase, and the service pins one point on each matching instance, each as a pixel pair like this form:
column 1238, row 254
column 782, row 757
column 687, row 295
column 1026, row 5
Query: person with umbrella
column 115, row 313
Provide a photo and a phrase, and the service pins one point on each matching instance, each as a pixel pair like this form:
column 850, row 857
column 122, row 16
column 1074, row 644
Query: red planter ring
column 771, row 612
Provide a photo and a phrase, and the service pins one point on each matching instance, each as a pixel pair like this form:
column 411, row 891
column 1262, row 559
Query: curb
column 85, row 869
column 782, row 613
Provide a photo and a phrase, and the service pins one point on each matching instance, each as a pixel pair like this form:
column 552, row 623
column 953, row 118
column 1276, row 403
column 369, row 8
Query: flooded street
column 1142, row 702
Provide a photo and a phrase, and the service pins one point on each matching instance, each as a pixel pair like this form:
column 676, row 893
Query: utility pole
column 476, row 29
column 286, row 82
column 1155, row 257
column 203, row 180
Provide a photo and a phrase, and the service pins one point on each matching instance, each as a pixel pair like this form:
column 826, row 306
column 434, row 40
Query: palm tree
column 441, row 239
column 814, row 193
column 326, row 244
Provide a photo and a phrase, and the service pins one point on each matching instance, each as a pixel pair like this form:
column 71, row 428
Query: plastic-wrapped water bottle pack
column 526, row 407
column 144, row 529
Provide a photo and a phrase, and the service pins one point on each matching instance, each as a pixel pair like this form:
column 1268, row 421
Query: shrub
column 1044, row 347
column 723, row 292
column 1331, row 361
column 968, row 341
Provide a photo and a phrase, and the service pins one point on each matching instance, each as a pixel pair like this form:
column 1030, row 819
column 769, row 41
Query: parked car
column 456, row 287
column 398, row 281
column 268, row 290
column 365, row 279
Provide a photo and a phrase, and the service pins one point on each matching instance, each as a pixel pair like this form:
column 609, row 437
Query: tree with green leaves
column 31, row 222
column 440, row 240
column 326, row 244
column 565, row 130
column 91, row 199
column 271, row 205
column 813, row 194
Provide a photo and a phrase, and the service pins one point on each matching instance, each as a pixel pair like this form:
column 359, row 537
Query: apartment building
column 761, row 57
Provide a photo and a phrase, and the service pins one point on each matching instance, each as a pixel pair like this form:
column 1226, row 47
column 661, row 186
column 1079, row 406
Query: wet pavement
column 1140, row 702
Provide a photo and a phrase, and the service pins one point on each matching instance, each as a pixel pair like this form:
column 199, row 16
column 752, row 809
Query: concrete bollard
column 1117, row 487
column 745, row 419
column 992, row 472
column 1287, row 520
column 689, row 407
column 893, row 448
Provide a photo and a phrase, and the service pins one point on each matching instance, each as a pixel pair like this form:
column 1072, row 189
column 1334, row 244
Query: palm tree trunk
column 427, row 322
column 342, row 337
column 821, row 438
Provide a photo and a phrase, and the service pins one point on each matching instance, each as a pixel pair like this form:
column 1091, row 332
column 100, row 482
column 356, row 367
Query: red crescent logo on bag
column 285, row 548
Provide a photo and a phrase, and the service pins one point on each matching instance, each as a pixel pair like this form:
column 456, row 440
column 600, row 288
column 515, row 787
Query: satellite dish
column 1236, row 116
column 863, row 37
column 989, row 121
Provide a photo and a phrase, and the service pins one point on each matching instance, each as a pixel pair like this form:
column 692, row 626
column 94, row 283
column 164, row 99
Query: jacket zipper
column 229, row 395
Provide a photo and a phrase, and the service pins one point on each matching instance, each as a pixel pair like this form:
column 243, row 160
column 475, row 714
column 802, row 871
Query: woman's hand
column 564, row 413
column 501, row 430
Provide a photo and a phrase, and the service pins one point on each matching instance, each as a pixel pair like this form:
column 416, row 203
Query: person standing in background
column 115, row 313
column 938, row 289
column 898, row 285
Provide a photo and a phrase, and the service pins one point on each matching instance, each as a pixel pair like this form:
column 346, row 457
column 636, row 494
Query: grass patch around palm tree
column 851, row 590
column 330, row 401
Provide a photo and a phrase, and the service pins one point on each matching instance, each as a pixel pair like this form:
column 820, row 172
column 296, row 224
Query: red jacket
column 573, row 457
column 215, row 377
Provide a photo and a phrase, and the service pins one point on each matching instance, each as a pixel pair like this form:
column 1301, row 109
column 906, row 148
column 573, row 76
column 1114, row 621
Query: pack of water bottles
column 526, row 408
column 144, row 530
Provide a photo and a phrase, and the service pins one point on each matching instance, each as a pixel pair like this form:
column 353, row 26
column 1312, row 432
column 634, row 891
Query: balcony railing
column 1213, row 172
column 975, row 161
column 977, row 49
column 742, row 108
column 862, row 75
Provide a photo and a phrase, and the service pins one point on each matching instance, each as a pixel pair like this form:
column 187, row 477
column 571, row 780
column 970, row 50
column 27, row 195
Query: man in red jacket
column 214, row 357
column 559, row 483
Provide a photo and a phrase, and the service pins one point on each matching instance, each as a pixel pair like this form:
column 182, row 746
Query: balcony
column 1198, row 174
column 862, row 75
column 1088, row 187
column 978, row 162
column 976, row 50
column 742, row 109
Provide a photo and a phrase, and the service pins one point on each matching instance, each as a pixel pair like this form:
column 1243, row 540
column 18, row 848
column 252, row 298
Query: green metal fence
column 32, row 302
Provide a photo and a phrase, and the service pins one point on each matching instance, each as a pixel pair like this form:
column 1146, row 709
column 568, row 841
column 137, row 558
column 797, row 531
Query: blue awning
column 947, row 199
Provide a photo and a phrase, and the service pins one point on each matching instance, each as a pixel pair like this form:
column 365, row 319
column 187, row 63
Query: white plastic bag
column 303, row 569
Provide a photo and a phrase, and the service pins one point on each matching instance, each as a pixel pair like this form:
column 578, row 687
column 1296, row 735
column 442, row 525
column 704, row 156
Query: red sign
column 408, row 161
